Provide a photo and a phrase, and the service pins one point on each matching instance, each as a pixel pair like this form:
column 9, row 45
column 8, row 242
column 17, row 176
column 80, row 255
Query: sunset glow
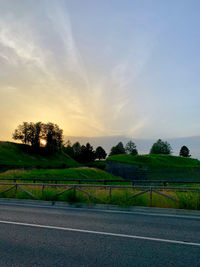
column 43, row 142
column 101, row 68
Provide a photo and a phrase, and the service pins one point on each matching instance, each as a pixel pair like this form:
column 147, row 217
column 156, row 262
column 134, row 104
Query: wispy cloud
column 45, row 76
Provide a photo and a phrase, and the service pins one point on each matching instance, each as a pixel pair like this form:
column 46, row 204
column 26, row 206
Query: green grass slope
column 13, row 155
column 70, row 173
column 156, row 160
column 162, row 166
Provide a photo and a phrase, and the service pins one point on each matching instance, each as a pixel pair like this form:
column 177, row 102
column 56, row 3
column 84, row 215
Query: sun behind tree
column 43, row 142
column 39, row 134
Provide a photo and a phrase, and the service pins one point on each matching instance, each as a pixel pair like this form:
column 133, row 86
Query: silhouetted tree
column 77, row 150
column 68, row 149
column 87, row 153
column 31, row 133
column 161, row 147
column 118, row 149
column 130, row 148
column 37, row 132
column 184, row 152
column 22, row 133
column 53, row 135
column 100, row 153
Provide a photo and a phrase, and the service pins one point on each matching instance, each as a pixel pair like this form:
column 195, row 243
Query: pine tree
column 184, row 152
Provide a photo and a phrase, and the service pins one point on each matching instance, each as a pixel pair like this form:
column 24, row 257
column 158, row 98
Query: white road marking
column 197, row 217
column 102, row 233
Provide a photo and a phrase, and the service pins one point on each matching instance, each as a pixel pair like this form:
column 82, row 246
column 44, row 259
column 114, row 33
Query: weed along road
column 38, row 234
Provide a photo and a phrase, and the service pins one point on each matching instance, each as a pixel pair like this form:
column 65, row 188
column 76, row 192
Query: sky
column 101, row 68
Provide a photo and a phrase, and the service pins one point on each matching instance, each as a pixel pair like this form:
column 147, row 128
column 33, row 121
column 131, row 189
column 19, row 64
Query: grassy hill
column 158, row 167
column 19, row 161
column 13, row 155
column 156, row 161
column 70, row 173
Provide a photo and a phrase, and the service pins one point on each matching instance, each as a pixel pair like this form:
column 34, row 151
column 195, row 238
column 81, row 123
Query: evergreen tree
column 87, row 153
column 184, row 152
column 68, row 149
column 77, row 150
column 118, row 149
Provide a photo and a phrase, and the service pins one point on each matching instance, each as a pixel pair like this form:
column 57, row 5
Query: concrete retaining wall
column 127, row 171
column 136, row 172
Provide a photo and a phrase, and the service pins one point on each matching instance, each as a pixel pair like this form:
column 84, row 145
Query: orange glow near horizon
column 43, row 142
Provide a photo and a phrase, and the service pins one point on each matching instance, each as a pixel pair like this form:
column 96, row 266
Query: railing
column 82, row 188
column 104, row 181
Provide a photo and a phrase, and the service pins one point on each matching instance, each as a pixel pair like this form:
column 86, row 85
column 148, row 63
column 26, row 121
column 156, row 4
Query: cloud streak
column 46, row 76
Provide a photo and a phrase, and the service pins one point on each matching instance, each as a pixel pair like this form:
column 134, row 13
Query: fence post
column 110, row 192
column 42, row 188
column 150, row 196
column 199, row 197
column 15, row 190
column 74, row 189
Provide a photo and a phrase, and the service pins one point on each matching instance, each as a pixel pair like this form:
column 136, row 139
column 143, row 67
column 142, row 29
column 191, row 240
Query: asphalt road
column 37, row 235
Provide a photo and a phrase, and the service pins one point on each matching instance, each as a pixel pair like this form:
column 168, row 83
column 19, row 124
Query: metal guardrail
column 82, row 188
column 104, row 181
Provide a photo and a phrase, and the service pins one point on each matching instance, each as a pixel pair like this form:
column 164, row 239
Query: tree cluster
column 130, row 148
column 84, row 153
column 161, row 147
column 33, row 133
column 50, row 136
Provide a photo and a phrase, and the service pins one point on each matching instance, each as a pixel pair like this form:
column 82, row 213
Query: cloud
column 45, row 75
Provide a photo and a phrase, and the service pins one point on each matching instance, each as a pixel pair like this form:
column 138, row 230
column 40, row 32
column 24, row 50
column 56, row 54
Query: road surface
column 40, row 235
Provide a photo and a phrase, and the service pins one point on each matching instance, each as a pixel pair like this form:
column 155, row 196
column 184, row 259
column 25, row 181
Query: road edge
column 105, row 207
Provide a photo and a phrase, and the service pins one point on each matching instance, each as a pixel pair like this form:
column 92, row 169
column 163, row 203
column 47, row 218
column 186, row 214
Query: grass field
column 120, row 197
column 14, row 155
